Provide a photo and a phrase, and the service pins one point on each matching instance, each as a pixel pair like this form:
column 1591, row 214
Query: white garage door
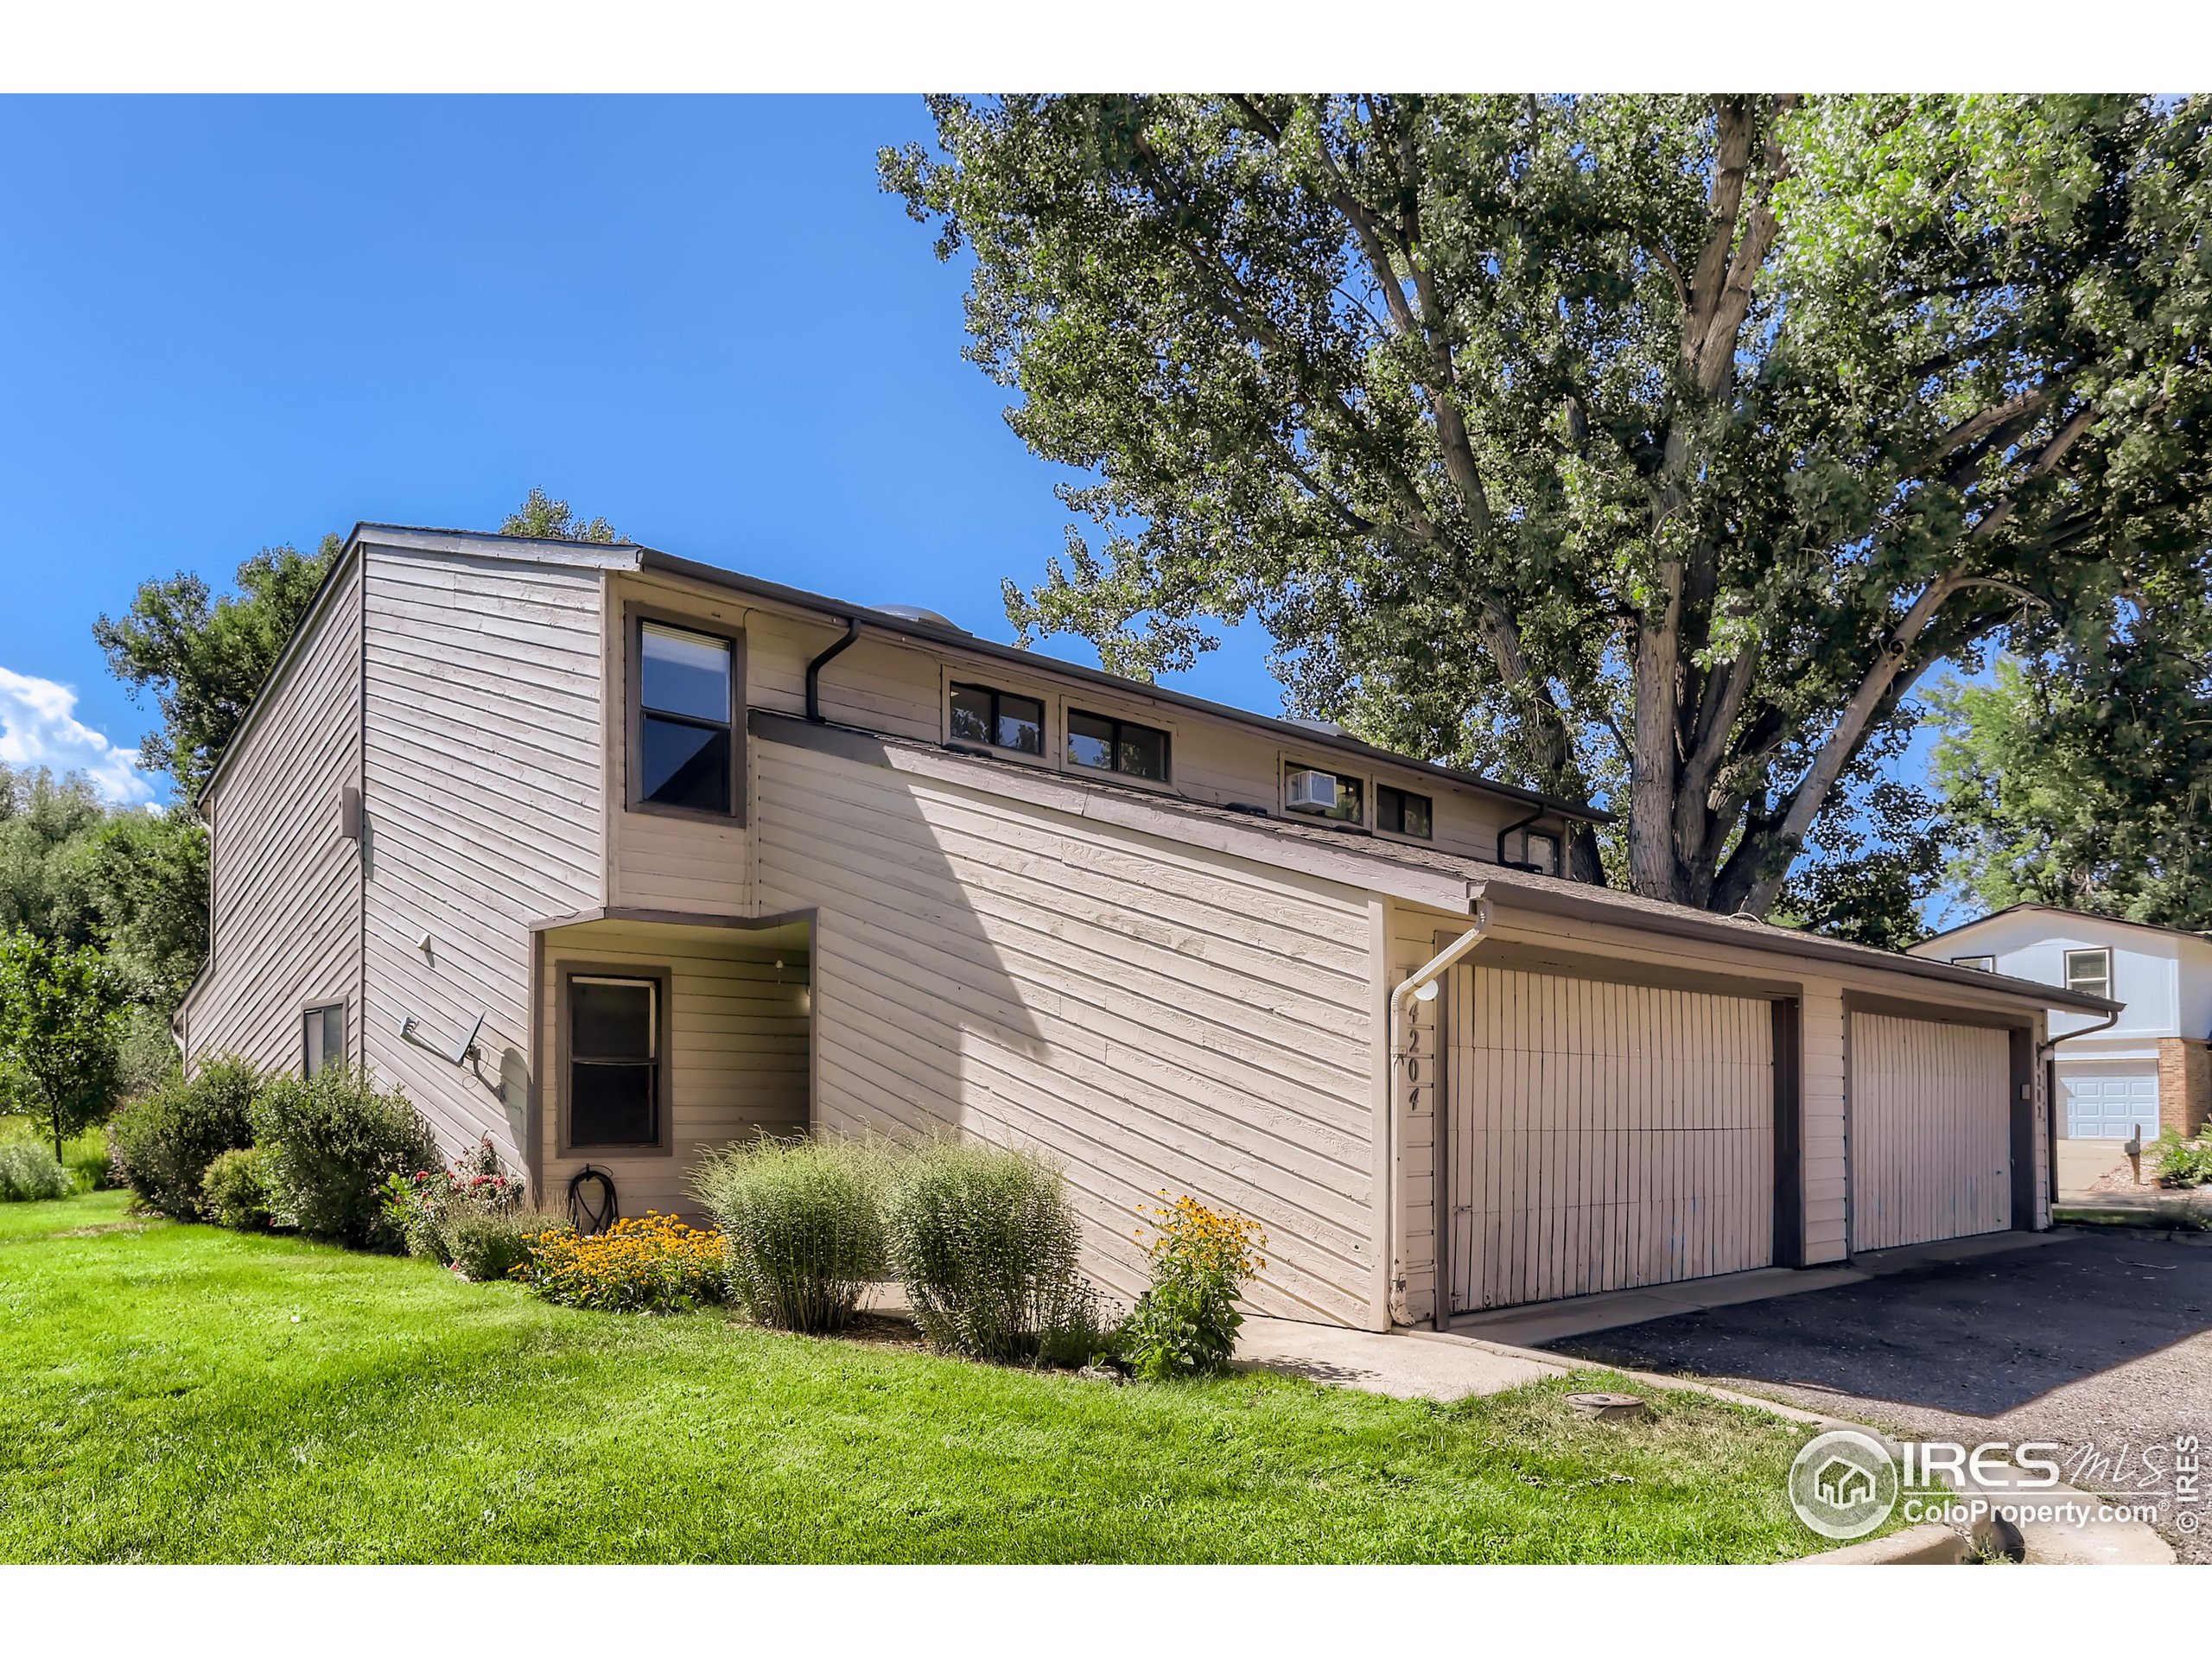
column 1603, row 1135
column 1931, row 1147
column 2109, row 1102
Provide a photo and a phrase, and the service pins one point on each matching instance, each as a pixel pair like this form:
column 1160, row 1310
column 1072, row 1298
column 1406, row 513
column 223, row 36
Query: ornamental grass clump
column 987, row 1244
column 653, row 1264
column 1185, row 1323
column 804, row 1224
column 29, row 1172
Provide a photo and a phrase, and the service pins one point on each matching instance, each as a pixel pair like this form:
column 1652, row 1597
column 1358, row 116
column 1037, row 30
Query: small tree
column 59, row 1009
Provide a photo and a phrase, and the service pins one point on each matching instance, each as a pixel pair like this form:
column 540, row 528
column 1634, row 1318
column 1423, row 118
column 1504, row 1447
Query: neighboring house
column 618, row 857
column 2147, row 1070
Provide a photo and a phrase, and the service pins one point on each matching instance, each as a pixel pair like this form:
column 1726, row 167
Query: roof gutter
column 815, row 666
column 1420, row 986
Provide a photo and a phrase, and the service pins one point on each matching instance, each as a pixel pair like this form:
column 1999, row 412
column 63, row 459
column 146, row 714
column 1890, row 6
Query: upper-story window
column 1541, row 852
column 1352, row 796
column 686, row 722
column 1401, row 812
column 2090, row 971
column 1105, row 744
column 1988, row 964
column 981, row 714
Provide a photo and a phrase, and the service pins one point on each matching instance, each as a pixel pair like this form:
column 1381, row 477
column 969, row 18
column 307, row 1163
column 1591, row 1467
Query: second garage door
column 1930, row 1135
column 1603, row 1135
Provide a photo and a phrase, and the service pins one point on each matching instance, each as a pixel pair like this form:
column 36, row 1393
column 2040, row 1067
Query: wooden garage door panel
column 1931, row 1153
column 1604, row 1135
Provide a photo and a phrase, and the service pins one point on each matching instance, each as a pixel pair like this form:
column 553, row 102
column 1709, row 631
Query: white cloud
column 39, row 727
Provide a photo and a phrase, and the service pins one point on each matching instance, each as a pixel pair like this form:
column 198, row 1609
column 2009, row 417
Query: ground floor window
column 614, row 1061
column 322, row 1038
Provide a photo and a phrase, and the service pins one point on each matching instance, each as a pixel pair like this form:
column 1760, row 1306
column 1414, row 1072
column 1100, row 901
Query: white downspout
column 1401, row 1000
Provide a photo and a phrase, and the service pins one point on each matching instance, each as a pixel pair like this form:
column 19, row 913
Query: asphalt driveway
column 2092, row 1340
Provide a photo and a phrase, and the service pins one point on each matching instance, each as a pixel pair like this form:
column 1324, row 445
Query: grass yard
column 182, row 1394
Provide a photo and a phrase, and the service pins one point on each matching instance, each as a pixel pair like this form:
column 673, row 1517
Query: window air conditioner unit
column 1310, row 791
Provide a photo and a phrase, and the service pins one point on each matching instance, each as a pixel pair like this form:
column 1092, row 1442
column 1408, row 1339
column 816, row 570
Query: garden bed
column 183, row 1392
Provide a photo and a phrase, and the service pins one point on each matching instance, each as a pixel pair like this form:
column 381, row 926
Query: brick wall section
column 2185, row 1085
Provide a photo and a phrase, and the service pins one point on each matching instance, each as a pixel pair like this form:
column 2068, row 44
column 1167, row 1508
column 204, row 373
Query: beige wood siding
column 1154, row 1015
column 738, row 1025
column 482, row 798
column 1930, row 1125
column 286, row 921
column 1604, row 1135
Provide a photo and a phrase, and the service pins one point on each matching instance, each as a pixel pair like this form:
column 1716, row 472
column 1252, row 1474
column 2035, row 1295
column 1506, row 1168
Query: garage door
column 1930, row 1131
column 2109, row 1102
column 1603, row 1135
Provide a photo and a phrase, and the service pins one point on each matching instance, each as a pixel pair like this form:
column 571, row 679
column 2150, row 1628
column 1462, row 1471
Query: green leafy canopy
column 1644, row 449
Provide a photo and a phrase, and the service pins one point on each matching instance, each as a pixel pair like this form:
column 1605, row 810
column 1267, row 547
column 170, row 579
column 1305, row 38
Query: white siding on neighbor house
column 1931, row 1131
column 286, row 920
column 738, row 1051
column 1604, row 1135
column 482, row 801
column 1154, row 1015
column 2164, row 977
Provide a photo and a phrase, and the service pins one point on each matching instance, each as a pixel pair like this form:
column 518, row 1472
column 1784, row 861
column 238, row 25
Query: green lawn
column 172, row 1393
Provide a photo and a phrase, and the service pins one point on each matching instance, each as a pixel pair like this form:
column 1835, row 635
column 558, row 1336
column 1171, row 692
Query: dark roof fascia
column 960, row 640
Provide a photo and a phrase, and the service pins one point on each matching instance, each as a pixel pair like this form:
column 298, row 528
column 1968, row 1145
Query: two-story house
column 618, row 857
column 2146, row 1069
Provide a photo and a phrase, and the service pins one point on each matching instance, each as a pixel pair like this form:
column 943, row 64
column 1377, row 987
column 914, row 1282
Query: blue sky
column 230, row 323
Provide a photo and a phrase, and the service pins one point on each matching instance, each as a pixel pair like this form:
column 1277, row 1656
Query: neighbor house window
column 1403, row 812
column 614, row 1061
column 981, row 715
column 1105, row 744
column 1988, row 964
column 322, row 1038
column 1540, row 852
column 687, row 717
column 2090, row 971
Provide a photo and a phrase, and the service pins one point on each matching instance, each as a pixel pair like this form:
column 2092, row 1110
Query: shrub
column 653, row 1265
column 988, row 1246
column 487, row 1247
column 2183, row 1163
column 422, row 1209
column 803, row 1223
column 28, row 1170
column 163, row 1141
column 1186, row 1321
column 329, row 1142
column 235, row 1190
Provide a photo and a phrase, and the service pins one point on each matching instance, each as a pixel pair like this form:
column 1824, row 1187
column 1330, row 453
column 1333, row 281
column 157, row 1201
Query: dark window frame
column 663, row 1146
column 1359, row 781
column 633, row 628
column 1558, row 842
column 2066, row 965
column 1165, row 780
column 1428, row 806
column 313, row 1010
column 997, row 694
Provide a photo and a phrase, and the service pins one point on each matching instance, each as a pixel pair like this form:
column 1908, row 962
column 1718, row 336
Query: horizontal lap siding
column 737, row 1044
column 286, row 919
column 1152, row 1015
column 482, row 800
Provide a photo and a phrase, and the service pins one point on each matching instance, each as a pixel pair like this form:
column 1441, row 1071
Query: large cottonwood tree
column 1646, row 448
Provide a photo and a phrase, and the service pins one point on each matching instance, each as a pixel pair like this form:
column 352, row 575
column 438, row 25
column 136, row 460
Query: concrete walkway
column 1388, row 1362
column 1579, row 1316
